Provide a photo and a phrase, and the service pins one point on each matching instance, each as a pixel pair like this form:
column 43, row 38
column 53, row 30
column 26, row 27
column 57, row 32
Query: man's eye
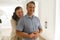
column 30, row 7
column 18, row 12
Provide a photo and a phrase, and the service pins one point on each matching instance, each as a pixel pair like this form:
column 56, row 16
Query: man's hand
column 32, row 35
column 36, row 34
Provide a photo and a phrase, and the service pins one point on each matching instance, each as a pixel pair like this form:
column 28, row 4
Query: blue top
column 28, row 25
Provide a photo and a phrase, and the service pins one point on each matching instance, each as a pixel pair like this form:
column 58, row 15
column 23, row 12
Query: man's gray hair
column 30, row 2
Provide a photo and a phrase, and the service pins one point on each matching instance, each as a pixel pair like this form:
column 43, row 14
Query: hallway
column 45, row 10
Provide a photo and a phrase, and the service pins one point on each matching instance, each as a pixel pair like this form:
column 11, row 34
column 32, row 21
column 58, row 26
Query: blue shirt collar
column 29, row 16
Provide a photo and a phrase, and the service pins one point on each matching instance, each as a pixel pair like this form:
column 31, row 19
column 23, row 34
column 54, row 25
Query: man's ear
column 26, row 8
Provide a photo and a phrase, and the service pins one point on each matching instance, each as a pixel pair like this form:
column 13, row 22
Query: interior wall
column 47, row 14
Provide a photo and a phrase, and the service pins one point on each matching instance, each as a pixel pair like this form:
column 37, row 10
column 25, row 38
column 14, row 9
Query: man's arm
column 24, row 35
column 40, row 30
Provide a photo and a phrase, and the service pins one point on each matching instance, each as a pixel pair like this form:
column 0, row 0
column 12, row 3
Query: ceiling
column 8, row 2
column 12, row 2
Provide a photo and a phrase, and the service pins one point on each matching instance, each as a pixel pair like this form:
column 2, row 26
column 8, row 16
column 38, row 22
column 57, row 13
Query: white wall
column 47, row 13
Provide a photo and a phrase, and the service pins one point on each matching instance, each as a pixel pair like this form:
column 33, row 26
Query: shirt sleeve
column 20, row 25
column 40, row 27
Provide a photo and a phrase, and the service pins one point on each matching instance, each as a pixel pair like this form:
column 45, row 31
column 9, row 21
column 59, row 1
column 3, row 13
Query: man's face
column 30, row 8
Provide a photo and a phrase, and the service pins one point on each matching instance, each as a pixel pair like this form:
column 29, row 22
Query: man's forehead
column 31, row 4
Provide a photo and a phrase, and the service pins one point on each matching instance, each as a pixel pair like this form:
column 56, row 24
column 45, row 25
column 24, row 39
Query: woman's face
column 19, row 13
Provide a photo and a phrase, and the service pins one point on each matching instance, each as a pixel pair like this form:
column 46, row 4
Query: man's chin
column 31, row 12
